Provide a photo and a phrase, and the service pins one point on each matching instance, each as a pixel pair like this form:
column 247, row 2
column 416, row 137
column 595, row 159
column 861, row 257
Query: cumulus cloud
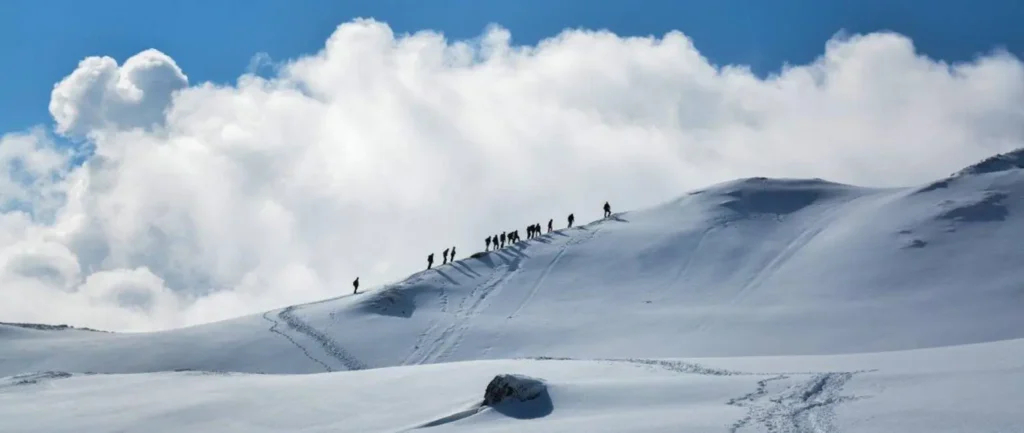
column 100, row 94
column 205, row 202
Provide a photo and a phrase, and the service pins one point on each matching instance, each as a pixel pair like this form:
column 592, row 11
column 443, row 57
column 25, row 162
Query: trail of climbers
column 273, row 328
column 800, row 407
column 448, row 340
column 329, row 346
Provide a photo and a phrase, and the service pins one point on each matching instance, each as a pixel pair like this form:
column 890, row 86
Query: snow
column 791, row 305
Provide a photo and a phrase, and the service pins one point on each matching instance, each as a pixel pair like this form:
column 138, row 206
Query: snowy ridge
column 779, row 305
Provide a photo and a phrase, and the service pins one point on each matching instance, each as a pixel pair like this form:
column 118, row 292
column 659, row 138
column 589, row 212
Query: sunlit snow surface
column 755, row 305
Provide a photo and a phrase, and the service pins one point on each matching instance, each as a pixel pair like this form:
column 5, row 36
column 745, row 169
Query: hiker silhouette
column 444, row 256
column 551, row 223
column 487, row 243
column 607, row 210
column 503, row 237
column 355, row 284
column 451, row 257
column 430, row 260
column 571, row 219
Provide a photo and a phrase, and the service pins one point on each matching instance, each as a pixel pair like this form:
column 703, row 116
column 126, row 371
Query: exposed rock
column 515, row 387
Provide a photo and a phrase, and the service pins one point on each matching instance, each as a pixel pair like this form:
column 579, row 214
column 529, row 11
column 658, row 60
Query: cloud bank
column 200, row 202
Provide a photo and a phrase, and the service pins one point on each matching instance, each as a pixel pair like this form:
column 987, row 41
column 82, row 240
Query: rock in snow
column 516, row 387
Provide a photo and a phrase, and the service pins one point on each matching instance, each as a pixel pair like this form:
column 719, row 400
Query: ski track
column 329, row 346
column 791, row 249
column 449, row 339
column 689, row 260
column 815, row 227
column 547, row 270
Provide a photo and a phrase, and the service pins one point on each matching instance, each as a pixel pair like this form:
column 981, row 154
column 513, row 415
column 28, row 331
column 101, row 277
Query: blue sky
column 214, row 40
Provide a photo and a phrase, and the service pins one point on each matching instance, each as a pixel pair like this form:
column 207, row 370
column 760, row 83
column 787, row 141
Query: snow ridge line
column 329, row 346
column 450, row 338
column 273, row 328
column 33, row 378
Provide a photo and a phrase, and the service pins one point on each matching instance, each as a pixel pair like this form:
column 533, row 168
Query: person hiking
column 571, row 219
column 551, row 223
column 451, row 257
column 607, row 210
column 529, row 231
column 494, row 242
column 487, row 243
column 503, row 239
column 355, row 284
column 430, row 260
column 444, row 256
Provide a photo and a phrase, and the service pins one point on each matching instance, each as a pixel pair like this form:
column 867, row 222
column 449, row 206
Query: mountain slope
column 752, row 267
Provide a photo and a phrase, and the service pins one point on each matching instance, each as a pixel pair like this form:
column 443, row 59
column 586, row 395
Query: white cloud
column 100, row 94
column 366, row 156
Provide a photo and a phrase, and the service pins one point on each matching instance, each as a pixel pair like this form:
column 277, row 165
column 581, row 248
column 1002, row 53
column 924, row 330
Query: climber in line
column 355, row 284
column 444, row 256
column 487, row 243
column 451, row 257
column 551, row 222
column 571, row 219
column 430, row 260
column 607, row 210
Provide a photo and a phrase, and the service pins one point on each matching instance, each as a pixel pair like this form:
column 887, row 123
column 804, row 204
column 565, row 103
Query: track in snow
column 329, row 346
column 547, row 270
column 273, row 328
column 420, row 347
column 786, row 402
column 803, row 407
column 471, row 305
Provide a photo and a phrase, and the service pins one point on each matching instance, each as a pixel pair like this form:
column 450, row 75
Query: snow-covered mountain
column 753, row 305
